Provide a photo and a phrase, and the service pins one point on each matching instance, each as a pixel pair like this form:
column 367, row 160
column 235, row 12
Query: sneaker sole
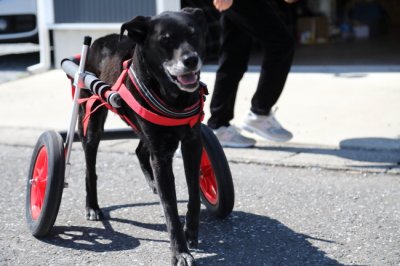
column 235, row 145
column 263, row 135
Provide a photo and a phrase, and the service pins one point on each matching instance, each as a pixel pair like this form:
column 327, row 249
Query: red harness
column 139, row 109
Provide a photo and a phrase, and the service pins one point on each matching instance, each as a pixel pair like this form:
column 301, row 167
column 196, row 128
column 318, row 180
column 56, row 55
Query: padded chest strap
column 143, row 112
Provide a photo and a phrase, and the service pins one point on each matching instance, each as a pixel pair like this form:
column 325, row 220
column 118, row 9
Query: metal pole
column 78, row 84
column 44, row 16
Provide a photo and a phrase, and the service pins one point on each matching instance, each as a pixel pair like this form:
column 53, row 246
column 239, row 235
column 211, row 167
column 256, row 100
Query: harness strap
column 154, row 118
column 130, row 100
column 89, row 105
column 156, row 103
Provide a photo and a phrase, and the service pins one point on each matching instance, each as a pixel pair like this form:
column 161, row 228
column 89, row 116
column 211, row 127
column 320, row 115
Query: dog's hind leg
column 143, row 154
column 90, row 144
column 191, row 153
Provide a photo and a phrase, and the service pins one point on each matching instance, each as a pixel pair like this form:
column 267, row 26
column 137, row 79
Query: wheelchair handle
column 92, row 83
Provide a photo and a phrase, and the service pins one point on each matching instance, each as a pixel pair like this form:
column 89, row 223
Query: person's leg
column 266, row 20
column 278, row 57
column 233, row 59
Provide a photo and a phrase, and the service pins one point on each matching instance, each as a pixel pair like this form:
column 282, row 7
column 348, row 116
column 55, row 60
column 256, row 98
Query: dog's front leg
column 165, row 184
column 191, row 153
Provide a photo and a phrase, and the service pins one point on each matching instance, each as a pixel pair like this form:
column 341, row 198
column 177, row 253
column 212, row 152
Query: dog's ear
column 137, row 29
column 198, row 15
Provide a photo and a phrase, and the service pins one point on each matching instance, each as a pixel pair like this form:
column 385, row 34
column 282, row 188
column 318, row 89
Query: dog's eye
column 191, row 33
column 165, row 38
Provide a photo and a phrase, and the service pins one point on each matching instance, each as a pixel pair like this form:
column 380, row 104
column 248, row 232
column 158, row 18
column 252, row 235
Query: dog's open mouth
column 187, row 79
column 188, row 82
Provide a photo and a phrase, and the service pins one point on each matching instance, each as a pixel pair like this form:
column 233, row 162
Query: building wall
column 74, row 19
column 101, row 11
column 68, row 41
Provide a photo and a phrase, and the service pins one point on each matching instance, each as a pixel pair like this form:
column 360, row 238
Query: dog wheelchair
column 50, row 164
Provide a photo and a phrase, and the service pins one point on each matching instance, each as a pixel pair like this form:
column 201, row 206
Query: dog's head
column 172, row 45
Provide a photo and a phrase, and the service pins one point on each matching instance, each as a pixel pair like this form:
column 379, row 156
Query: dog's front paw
column 183, row 259
column 94, row 214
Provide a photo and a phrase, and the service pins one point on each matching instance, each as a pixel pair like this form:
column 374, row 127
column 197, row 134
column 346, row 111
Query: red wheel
column 208, row 182
column 216, row 185
column 45, row 183
column 38, row 183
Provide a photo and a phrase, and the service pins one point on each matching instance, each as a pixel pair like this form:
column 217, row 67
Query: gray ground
column 282, row 216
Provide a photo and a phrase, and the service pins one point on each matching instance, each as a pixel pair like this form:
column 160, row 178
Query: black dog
column 166, row 52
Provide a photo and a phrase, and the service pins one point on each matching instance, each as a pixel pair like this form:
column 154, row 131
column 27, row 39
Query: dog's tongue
column 187, row 78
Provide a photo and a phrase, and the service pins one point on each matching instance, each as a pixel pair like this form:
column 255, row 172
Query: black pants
column 267, row 21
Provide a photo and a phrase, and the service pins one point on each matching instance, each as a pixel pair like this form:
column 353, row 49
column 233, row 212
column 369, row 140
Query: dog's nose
column 191, row 61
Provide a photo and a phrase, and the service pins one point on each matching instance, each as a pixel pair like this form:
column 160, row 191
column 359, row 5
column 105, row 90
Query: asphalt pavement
column 282, row 216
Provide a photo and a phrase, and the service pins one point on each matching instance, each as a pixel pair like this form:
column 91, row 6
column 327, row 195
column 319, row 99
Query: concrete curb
column 339, row 122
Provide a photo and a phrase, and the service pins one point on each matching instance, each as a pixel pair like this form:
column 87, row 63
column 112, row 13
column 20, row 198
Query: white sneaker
column 230, row 137
column 266, row 126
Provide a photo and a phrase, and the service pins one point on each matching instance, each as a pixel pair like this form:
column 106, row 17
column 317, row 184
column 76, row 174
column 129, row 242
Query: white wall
column 68, row 37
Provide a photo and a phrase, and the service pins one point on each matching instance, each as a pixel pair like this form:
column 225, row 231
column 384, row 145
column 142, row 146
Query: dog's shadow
column 249, row 239
column 91, row 239
column 102, row 239
column 240, row 239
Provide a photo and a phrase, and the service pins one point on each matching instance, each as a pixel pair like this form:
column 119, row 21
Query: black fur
column 150, row 43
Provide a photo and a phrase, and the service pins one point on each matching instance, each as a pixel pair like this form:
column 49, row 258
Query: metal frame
column 78, row 84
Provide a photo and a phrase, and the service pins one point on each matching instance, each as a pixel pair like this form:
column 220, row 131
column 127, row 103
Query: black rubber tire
column 42, row 225
column 226, row 193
